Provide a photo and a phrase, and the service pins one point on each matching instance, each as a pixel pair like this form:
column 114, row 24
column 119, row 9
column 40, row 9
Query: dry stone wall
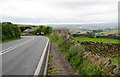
column 84, row 35
column 96, row 36
column 106, row 64
column 102, row 49
column 109, row 37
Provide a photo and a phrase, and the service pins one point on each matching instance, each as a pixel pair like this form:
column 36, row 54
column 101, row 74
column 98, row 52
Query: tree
column 44, row 30
column 40, row 30
column 48, row 30
column 0, row 31
column 24, row 28
column 17, row 31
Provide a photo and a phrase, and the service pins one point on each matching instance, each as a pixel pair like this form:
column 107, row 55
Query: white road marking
column 13, row 47
column 46, row 65
column 36, row 73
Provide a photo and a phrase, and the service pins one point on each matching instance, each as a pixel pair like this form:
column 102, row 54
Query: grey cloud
column 33, row 20
column 62, row 17
column 84, row 19
column 76, row 5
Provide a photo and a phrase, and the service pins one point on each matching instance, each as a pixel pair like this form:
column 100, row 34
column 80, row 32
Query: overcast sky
column 59, row 11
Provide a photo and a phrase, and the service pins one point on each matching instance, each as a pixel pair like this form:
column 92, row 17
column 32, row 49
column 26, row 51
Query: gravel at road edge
column 58, row 65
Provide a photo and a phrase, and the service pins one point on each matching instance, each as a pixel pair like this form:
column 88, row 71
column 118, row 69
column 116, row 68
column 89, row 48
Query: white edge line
column 41, row 60
column 45, row 70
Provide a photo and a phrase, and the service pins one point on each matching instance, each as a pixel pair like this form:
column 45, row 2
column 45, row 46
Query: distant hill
column 86, row 26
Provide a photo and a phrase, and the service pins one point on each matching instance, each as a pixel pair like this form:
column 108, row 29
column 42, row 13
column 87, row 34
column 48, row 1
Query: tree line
column 10, row 31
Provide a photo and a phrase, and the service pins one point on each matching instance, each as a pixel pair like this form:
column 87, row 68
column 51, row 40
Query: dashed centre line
column 13, row 47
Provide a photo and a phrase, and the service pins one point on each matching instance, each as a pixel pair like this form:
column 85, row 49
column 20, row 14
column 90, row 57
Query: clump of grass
column 54, row 71
column 115, row 60
column 80, row 64
column 86, row 68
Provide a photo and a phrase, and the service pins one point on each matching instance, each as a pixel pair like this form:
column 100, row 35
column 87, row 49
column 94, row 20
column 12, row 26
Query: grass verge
column 9, row 40
column 74, row 54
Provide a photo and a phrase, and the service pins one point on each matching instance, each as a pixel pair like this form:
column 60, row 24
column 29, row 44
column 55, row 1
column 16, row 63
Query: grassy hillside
column 109, row 32
column 97, row 39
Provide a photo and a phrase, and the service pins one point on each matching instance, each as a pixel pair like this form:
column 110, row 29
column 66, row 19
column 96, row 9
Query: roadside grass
column 55, row 39
column 9, row 40
column 105, row 40
column 87, row 68
column 74, row 54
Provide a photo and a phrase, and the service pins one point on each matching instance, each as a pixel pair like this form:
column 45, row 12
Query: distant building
column 61, row 32
column 30, row 31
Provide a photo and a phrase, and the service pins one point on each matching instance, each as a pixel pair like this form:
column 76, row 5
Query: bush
column 10, row 31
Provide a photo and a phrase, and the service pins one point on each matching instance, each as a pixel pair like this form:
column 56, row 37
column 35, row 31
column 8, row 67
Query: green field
column 81, row 38
column 20, row 25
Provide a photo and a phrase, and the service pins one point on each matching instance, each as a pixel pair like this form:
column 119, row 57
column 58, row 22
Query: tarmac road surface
column 21, row 57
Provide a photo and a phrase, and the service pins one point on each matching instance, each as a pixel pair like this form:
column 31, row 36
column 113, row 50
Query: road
column 21, row 57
